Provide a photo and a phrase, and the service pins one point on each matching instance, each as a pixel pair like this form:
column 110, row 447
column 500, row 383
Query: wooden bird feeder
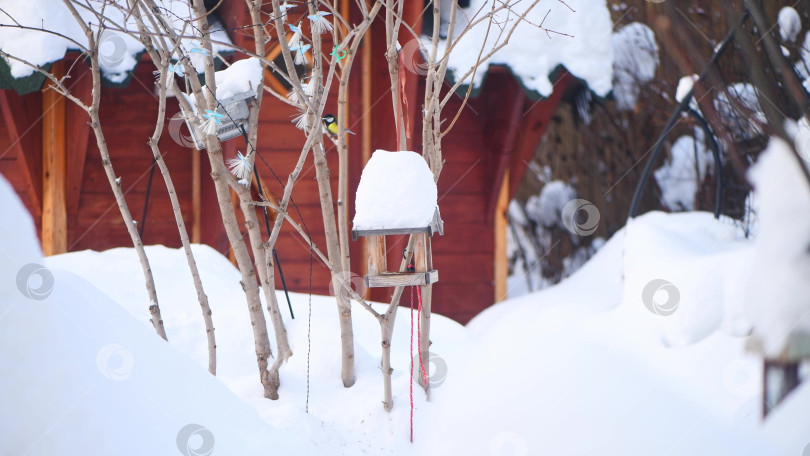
column 235, row 110
column 396, row 195
column 423, row 272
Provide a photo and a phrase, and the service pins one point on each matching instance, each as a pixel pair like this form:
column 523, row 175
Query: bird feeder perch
column 397, row 195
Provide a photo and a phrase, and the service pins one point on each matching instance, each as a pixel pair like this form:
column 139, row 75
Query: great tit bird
column 330, row 126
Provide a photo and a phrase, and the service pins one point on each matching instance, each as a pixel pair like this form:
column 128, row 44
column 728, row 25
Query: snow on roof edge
column 558, row 72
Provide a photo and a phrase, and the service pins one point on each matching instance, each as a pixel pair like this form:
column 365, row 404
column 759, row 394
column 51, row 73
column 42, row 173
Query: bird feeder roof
column 396, row 195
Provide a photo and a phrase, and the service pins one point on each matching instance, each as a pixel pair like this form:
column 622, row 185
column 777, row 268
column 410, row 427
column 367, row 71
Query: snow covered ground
column 600, row 364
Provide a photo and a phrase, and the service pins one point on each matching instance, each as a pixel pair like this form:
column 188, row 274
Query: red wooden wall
column 494, row 133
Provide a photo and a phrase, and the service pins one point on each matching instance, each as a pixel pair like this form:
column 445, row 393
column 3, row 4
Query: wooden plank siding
column 97, row 222
column 21, row 146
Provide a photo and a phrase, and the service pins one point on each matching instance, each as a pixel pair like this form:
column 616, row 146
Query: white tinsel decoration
column 295, row 41
column 301, row 54
column 307, row 87
column 284, row 8
column 239, row 166
column 209, row 126
column 301, row 122
column 319, row 22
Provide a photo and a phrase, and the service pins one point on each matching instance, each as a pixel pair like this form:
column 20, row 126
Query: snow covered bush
column 636, row 60
column 680, row 178
column 778, row 297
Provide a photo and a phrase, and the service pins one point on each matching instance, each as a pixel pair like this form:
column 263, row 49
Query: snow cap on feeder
column 397, row 195
column 236, row 86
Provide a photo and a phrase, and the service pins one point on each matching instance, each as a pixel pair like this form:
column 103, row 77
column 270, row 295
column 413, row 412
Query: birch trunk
column 106, row 161
column 333, row 251
column 387, row 329
column 330, row 229
column 181, row 224
column 220, row 176
column 159, row 55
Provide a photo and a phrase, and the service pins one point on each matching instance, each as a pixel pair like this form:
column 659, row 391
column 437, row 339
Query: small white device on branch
column 235, row 112
column 236, row 86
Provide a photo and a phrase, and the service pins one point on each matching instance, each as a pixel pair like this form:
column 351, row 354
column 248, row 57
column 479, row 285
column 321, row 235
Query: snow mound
column 81, row 376
column 533, row 54
column 546, row 208
column 396, row 191
column 636, row 54
column 593, row 365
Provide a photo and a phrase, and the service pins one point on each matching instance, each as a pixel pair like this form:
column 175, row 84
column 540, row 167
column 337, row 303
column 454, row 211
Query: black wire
column 267, row 226
column 309, row 322
column 718, row 162
column 682, row 106
column 146, row 200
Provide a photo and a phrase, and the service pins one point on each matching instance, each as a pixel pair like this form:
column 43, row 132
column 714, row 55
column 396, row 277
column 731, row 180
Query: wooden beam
column 536, row 119
column 426, row 297
column 501, row 263
column 377, row 262
column 502, row 157
column 390, row 232
column 402, row 279
column 420, row 253
column 80, row 131
column 54, row 150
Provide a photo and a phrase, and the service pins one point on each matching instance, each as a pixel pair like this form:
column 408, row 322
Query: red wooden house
column 48, row 153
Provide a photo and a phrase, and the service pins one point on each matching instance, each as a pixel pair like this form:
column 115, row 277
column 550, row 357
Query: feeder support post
column 377, row 263
column 422, row 262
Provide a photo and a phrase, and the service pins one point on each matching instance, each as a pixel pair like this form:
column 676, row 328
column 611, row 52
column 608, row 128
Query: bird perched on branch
column 330, row 126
